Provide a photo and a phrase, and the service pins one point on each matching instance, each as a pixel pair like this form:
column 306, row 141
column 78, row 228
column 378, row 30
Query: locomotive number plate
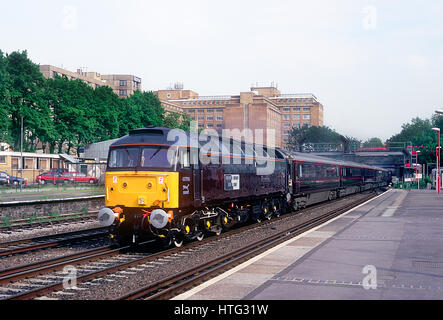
column 232, row 182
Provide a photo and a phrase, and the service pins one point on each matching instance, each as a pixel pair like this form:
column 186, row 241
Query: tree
column 26, row 99
column 306, row 134
column 140, row 110
column 176, row 120
column 373, row 143
column 5, row 107
column 106, row 109
column 420, row 133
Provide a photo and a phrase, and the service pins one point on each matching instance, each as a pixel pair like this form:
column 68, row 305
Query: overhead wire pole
column 438, row 161
column 439, row 112
column 416, row 166
column 21, row 154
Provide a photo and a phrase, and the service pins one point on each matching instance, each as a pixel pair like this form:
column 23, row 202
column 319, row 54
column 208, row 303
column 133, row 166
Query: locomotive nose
column 106, row 217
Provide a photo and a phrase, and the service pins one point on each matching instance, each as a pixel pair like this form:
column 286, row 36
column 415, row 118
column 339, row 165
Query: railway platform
column 388, row 248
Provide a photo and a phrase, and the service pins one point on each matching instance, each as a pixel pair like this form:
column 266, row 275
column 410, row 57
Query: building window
column 296, row 109
column 210, row 125
column 219, row 126
column 29, row 163
column 219, row 110
column 296, row 117
column 286, row 117
column 43, row 164
column 2, row 159
column 210, row 110
column 14, row 163
column 286, row 131
column 286, row 109
column 307, row 109
column 219, row 118
column 54, row 74
column 201, row 126
column 201, row 118
column 201, row 111
column 191, row 110
column 306, row 117
column 123, row 92
column 210, row 118
column 123, row 83
column 286, row 124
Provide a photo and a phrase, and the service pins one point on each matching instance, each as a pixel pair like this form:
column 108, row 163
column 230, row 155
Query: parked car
column 3, row 178
column 6, row 178
column 77, row 177
column 48, row 177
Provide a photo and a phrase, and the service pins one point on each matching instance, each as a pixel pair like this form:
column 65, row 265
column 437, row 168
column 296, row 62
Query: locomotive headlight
column 159, row 218
column 106, row 217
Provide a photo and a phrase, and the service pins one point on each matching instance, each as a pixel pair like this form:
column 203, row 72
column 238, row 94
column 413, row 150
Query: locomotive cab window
column 124, row 158
column 158, row 157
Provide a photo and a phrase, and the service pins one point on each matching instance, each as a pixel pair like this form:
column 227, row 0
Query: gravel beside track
column 51, row 253
column 6, row 236
column 117, row 284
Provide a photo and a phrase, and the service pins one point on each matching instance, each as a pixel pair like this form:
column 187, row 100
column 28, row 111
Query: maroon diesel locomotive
column 176, row 187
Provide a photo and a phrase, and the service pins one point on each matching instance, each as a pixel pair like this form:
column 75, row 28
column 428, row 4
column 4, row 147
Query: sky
column 374, row 65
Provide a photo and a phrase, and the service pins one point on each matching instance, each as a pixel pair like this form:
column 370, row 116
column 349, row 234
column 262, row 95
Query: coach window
column 331, row 172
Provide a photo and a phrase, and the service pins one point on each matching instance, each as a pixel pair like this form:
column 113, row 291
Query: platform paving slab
column 400, row 233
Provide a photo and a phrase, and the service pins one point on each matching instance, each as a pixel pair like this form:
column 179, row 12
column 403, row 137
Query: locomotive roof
column 298, row 156
column 159, row 136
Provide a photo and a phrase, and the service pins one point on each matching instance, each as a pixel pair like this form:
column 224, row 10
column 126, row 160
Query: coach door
column 197, row 178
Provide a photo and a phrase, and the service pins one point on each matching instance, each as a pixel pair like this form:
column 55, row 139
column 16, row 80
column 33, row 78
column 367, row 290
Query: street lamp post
column 440, row 112
column 438, row 161
column 416, row 165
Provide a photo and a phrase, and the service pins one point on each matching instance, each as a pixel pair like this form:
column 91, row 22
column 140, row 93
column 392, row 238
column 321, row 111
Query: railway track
column 48, row 278
column 24, row 224
column 49, row 241
column 185, row 280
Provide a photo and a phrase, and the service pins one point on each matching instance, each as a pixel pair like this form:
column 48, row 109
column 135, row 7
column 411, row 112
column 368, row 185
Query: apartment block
column 122, row 85
column 260, row 108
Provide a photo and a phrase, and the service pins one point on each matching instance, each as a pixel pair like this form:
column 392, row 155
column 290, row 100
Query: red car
column 65, row 177
column 48, row 177
column 76, row 177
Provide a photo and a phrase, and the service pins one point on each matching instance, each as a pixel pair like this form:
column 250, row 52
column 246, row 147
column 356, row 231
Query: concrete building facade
column 261, row 108
column 122, row 85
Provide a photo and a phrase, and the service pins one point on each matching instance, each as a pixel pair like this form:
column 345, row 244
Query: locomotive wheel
column 276, row 207
column 267, row 213
column 224, row 221
column 178, row 241
column 200, row 236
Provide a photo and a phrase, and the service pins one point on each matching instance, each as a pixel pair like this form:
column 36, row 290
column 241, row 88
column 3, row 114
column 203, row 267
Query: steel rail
column 28, row 270
column 169, row 287
column 95, row 274
column 66, row 218
column 47, row 242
